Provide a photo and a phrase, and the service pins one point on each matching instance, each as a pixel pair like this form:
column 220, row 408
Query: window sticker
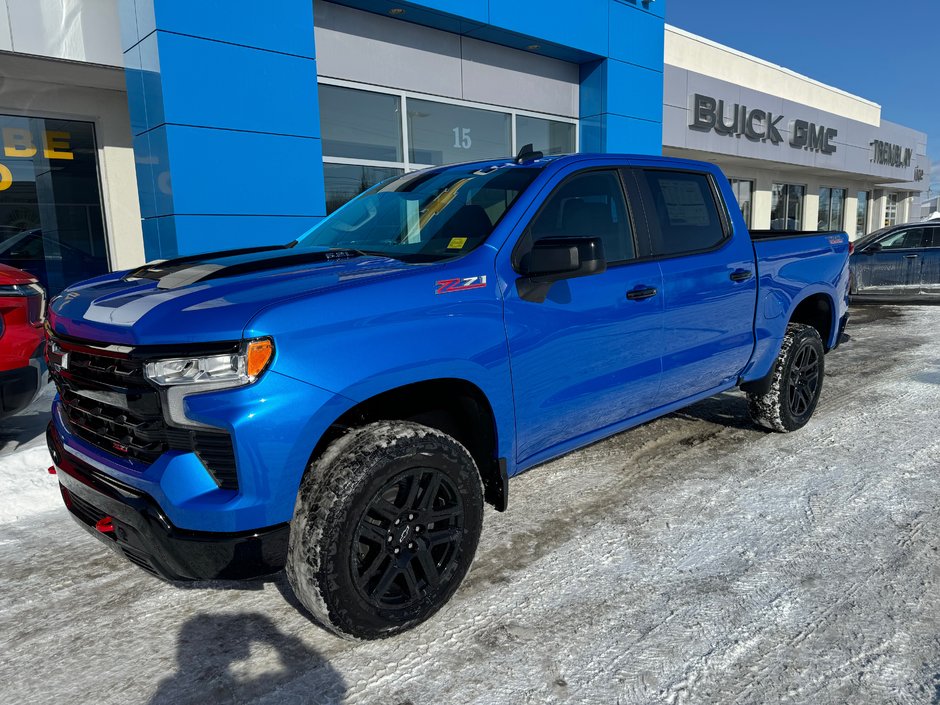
column 456, row 243
column 685, row 203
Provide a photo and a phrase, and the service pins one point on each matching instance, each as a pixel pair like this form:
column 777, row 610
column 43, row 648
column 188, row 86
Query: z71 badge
column 449, row 286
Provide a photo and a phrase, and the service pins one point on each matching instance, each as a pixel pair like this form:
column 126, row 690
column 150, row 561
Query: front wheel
column 385, row 527
column 796, row 382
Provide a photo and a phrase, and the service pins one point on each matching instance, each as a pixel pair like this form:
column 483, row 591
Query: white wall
column 693, row 53
column 78, row 30
column 382, row 51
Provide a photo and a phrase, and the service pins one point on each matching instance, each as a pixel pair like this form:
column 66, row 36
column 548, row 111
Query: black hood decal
column 184, row 271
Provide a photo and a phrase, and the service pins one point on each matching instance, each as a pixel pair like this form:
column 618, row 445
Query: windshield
column 427, row 215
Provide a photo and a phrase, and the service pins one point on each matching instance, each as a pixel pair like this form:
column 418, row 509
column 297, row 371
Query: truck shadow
column 725, row 409
column 238, row 658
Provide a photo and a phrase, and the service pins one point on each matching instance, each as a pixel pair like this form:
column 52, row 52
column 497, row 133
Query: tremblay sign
column 708, row 114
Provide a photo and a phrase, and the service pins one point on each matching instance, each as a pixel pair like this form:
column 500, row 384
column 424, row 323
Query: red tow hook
column 105, row 526
column 52, row 469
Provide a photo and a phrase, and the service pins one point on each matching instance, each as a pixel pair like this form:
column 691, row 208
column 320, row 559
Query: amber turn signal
column 259, row 355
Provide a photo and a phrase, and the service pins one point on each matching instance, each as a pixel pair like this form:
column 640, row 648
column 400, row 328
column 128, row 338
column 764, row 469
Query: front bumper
column 142, row 533
column 19, row 387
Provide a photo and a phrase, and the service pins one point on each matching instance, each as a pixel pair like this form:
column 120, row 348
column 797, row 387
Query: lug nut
column 388, row 539
column 397, row 522
column 397, row 550
column 410, row 517
column 411, row 545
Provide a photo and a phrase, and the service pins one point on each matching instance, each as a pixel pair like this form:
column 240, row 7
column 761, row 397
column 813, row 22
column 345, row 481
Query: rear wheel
column 385, row 528
column 796, row 382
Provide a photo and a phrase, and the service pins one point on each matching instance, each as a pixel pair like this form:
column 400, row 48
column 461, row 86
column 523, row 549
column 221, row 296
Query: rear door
column 930, row 262
column 709, row 281
column 588, row 356
column 892, row 265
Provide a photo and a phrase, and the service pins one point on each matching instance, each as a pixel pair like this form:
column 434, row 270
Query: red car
column 22, row 312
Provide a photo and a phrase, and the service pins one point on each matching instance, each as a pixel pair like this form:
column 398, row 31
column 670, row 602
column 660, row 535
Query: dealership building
column 143, row 129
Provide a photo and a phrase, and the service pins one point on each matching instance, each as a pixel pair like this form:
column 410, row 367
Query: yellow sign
column 6, row 178
column 456, row 243
column 18, row 142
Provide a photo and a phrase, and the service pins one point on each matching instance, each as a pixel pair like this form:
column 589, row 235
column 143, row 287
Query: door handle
column 641, row 292
column 911, row 256
column 741, row 275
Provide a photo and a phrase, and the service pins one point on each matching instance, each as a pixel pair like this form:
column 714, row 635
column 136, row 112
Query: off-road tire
column 337, row 513
column 775, row 409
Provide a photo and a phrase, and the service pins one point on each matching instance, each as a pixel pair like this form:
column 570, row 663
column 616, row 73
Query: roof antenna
column 528, row 154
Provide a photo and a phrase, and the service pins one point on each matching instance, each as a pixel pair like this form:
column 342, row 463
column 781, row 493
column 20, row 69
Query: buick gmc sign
column 708, row 114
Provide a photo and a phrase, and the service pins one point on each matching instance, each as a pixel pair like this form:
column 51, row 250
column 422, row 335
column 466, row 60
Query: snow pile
column 26, row 487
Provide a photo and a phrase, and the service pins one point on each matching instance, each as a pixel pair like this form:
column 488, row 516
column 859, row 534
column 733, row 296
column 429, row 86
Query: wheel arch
column 452, row 405
column 818, row 311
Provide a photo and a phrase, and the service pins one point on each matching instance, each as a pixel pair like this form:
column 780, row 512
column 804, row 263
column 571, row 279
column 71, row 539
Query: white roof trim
column 768, row 64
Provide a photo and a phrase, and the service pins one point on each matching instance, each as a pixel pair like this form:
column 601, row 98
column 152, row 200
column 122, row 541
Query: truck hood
column 206, row 298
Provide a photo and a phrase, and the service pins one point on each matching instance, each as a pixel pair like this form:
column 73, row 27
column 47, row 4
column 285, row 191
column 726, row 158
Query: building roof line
column 768, row 64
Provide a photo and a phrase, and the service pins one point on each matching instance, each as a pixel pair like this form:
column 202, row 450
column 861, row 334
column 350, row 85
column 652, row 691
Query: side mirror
column 553, row 259
column 873, row 248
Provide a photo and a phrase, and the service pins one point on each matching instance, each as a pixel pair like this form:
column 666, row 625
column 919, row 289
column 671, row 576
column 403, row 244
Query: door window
column 686, row 213
column 831, row 209
column 786, row 206
column 589, row 204
column 51, row 223
column 904, row 240
column 744, row 193
column 891, row 210
column 861, row 213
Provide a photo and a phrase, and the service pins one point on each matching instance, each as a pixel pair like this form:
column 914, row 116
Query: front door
column 892, row 266
column 588, row 356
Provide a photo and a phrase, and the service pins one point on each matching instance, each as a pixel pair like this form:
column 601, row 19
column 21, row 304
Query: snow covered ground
column 693, row 560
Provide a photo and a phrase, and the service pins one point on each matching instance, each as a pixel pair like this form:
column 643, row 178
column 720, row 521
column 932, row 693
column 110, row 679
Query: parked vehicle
column 900, row 262
column 22, row 366
column 345, row 404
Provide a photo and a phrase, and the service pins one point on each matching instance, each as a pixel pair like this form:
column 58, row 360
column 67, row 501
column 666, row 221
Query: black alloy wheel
column 804, row 380
column 407, row 539
column 789, row 399
column 385, row 528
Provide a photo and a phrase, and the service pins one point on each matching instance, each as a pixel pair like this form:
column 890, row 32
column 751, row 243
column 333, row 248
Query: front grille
column 107, row 401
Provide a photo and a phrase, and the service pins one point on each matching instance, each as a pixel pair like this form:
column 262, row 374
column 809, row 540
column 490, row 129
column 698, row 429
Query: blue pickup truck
column 345, row 404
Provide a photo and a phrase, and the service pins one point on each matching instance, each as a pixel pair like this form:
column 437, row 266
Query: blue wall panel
column 180, row 235
column 284, row 26
column 636, row 37
column 251, row 173
column 236, row 87
column 581, row 25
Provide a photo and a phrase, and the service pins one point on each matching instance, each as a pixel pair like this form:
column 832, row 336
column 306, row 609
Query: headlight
column 219, row 371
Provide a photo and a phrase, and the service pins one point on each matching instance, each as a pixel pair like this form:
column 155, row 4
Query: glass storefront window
column 861, row 213
column 363, row 134
column 344, row 182
column 786, row 206
column 441, row 133
column 891, row 210
column 360, row 124
column 50, row 203
column 831, row 209
column 744, row 192
column 546, row 136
